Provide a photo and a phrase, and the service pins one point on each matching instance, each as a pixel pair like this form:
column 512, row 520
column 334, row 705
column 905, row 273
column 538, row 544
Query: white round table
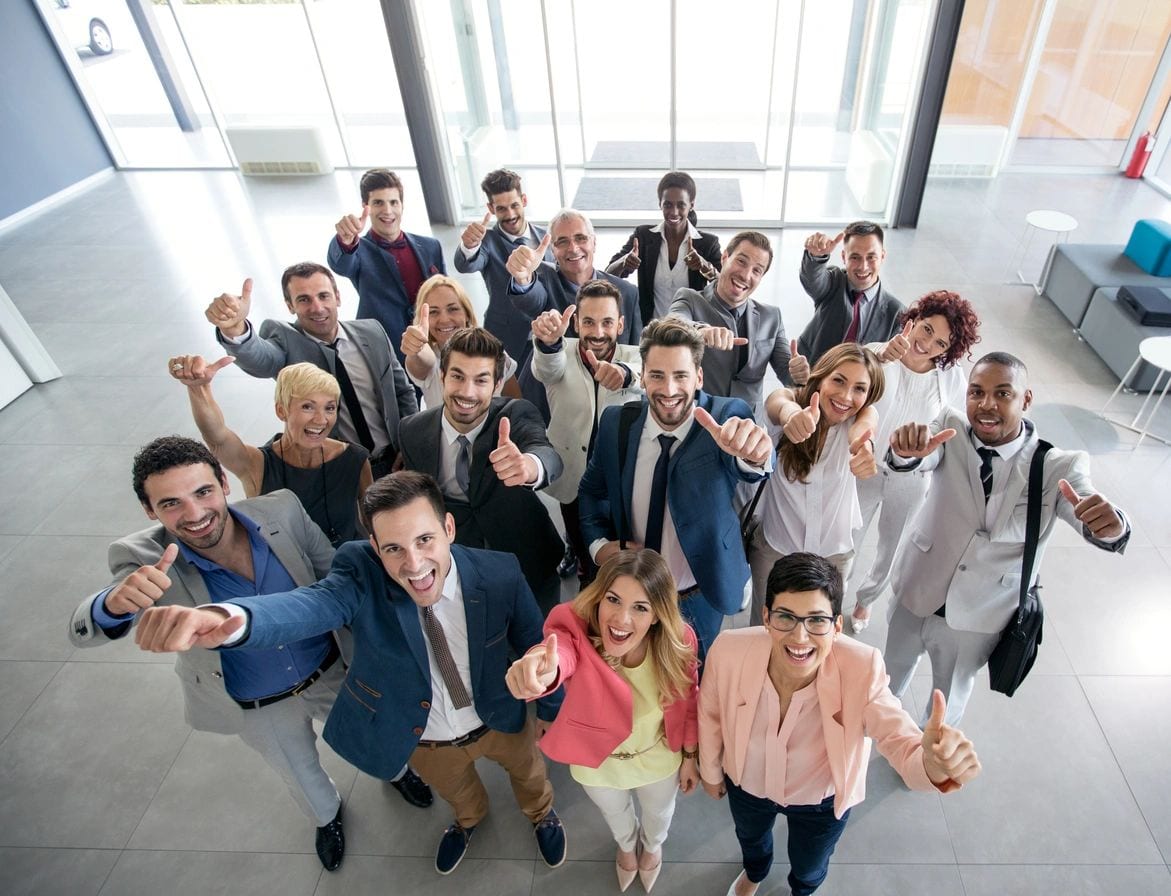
column 1050, row 221
column 1156, row 351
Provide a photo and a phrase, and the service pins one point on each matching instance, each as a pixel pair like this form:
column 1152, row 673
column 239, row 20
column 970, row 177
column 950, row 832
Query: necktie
column 350, row 398
column 742, row 331
column 462, row 464
column 852, row 330
column 658, row 506
column 445, row 662
column 986, row 455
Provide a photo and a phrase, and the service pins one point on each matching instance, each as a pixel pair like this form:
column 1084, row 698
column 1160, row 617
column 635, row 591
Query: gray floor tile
column 53, row 872
column 8, row 544
column 23, row 683
column 372, row 876
column 1065, row 880
column 29, row 494
column 150, row 872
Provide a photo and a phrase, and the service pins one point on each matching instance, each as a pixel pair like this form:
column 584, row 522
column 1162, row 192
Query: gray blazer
column 297, row 542
column 280, row 344
column 947, row 554
column 767, row 345
column 829, row 287
column 549, row 293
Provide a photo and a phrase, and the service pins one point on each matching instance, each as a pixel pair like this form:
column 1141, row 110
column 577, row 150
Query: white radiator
column 280, row 150
column 868, row 171
column 967, row 150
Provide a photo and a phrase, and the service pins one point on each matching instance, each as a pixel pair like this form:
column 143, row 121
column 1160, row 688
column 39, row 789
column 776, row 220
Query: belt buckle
column 303, row 686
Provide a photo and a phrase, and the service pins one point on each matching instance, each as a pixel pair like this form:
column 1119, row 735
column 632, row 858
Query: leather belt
column 470, row 738
column 330, row 659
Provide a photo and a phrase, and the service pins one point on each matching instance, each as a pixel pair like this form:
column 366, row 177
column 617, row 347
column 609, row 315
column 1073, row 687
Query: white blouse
column 911, row 397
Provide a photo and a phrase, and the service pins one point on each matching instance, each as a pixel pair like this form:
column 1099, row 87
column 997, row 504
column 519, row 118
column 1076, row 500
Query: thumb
column 566, row 316
column 939, row 438
column 168, row 558
column 739, row 340
column 938, row 711
column 1068, row 493
column 218, row 366
column 487, row 218
column 591, row 357
column 635, row 249
column 907, row 327
column 220, row 633
column 544, row 245
column 837, row 239
column 815, row 405
column 246, row 290
column 505, row 431
column 423, row 319
column 707, row 421
column 365, row 216
column 690, row 248
column 551, row 653
column 793, row 348
column 856, row 445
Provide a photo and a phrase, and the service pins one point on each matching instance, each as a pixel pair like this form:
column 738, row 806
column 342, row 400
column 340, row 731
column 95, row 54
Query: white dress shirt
column 669, row 280
column 447, row 454
column 445, row 722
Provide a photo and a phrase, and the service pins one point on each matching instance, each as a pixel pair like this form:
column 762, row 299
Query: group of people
column 393, row 572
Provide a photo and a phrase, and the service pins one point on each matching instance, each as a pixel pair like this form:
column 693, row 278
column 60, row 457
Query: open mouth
column 840, row 408
column 315, row 434
column 799, row 654
column 669, row 404
column 464, row 404
column 423, row 582
column 618, row 636
column 203, row 527
column 986, row 424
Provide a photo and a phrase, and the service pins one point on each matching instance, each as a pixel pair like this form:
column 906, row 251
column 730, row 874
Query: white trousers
column 762, row 557
column 897, row 496
column 657, row 801
column 282, row 733
column 956, row 657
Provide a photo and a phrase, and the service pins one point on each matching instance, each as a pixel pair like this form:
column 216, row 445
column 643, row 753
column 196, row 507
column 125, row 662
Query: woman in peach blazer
column 784, row 716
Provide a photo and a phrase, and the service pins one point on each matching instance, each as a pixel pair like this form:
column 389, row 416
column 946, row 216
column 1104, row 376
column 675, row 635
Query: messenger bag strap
column 1033, row 521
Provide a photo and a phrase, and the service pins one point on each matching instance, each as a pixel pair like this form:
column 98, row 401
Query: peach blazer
column 856, row 704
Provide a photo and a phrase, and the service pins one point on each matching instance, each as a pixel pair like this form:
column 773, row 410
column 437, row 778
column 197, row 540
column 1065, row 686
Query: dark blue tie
column 986, row 455
column 658, row 506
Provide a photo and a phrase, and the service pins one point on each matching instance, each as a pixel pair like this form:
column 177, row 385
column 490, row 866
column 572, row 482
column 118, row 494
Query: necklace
column 330, row 532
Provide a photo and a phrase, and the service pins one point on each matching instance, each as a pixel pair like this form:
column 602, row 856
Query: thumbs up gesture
column 803, row 423
column 697, row 262
column 631, row 261
column 740, row 437
column 550, row 326
column 142, row 587
column 798, row 365
column 193, row 371
column 899, row 344
column 524, row 261
column 350, row 227
column 173, row 629
column 862, row 463
column 417, row 336
column 473, row 234
column 819, row 244
column 721, row 338
column 534, row 673
column 511, row 466
column 947, row 754
column 915, row 440
column 229, row 313
column 1093, row 511
column 610, row 376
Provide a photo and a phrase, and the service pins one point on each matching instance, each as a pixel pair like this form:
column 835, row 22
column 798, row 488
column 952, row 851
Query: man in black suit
column 489, row 455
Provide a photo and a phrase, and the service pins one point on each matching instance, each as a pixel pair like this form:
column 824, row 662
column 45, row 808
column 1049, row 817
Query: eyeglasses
column 781, row 621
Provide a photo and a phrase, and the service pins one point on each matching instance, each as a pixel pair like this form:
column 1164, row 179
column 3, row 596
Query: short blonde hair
column 301, row 381
column 433, row 283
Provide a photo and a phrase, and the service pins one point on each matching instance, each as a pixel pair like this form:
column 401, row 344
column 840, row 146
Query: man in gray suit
column 375, row 392
column 743, row 337
column 203, row 551
column 956, row 576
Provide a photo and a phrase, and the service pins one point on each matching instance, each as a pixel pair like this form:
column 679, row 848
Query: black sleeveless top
column 329, row 493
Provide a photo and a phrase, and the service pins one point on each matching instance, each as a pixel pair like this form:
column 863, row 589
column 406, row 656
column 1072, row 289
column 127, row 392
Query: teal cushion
column 1150, row 246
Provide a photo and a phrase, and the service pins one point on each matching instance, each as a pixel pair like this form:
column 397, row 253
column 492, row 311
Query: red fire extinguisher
column 1142, row 154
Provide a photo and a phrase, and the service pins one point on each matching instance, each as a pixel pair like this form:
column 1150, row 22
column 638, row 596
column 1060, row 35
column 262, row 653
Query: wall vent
column 280, row 151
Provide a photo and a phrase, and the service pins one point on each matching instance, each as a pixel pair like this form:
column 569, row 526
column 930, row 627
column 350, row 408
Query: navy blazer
column 381, row 710
column 701, row 484
column 382, row 295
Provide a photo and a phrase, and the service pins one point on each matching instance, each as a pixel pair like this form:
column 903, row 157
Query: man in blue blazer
column 435, row 627
column 665, row 477
column 387, row 265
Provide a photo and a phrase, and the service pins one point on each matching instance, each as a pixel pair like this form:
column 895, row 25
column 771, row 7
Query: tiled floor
column 104, row 789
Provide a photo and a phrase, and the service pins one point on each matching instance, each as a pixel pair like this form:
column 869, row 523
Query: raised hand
column 610, row 376
column 173, row 629
column 798, row 365
column 819, row 244
column 947, row 754
column 697, row 262
column 550, row 326
column 417, row 336
column 531, row 675
column 524, row 261
column 862, row 462
column 1094, row 512
column 802, row 424
column 473, row 234
column 631, row 261
column 511, row 466
column 192, row 370
column 738, row 436
column 721, row 338
column 915, row 440
column 229, row 313
column 899, row 344
column 350, row 227
column 142, row 587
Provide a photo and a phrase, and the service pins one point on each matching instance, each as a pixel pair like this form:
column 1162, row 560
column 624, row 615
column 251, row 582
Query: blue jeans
column 704, row 618
column 813, row 834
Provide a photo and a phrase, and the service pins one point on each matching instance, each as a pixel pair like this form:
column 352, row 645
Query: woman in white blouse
column 827, row 429
column 922, row 371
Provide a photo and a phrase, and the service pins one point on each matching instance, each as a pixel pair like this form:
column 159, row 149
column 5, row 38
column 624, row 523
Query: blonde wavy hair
column 461, row 295
column 301, row 381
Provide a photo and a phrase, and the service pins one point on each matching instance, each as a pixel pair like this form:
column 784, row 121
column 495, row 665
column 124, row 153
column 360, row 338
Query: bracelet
column 690, row 754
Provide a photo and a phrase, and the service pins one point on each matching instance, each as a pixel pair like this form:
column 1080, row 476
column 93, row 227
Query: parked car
column 84, row 26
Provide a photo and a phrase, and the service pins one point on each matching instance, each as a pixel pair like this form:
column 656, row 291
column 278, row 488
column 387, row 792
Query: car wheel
column 99, row 38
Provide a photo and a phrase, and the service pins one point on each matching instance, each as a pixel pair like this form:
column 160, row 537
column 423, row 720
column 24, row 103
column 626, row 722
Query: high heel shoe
column 648, row 876
column 625, row 876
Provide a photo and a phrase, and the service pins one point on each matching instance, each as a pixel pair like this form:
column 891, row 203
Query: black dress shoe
column 331, row 843
column 568, row 564
column 414, row 789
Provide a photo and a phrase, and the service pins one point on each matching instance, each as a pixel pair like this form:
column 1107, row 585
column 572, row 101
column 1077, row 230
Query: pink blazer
column 855, row 703
column 598, row 711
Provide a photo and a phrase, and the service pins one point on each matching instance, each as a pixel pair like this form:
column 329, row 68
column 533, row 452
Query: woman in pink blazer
column 784, row 716
column 627, row 725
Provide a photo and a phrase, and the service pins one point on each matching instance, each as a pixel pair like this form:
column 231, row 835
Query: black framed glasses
column 784, row 621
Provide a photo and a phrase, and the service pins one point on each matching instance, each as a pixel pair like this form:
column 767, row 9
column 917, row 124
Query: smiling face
column 386, row 212
column 998, row 397
column 446, row 315
column 625, row 616
column 741, row 273
column 797, row 655
column 509, row 209
column 863, row 257
column 309, row 420
column 190, row 504
column 468, row 385
column 930, row 338
column 676, row 205
column 573, row 249
column 315, row 302
column 670, row 379
column 844, row 391
column 599, row 325
column 414, row 545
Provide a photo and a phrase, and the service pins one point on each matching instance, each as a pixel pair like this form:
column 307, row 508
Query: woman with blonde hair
column 627, row 726
column 826, row 429
column 442, row 306
column 329, row 476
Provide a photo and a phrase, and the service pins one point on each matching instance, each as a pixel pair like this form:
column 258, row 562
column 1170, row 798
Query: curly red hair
column 961, row 318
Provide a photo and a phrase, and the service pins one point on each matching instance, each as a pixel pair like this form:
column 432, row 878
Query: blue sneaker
column 550, row 839
column 452, row 848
